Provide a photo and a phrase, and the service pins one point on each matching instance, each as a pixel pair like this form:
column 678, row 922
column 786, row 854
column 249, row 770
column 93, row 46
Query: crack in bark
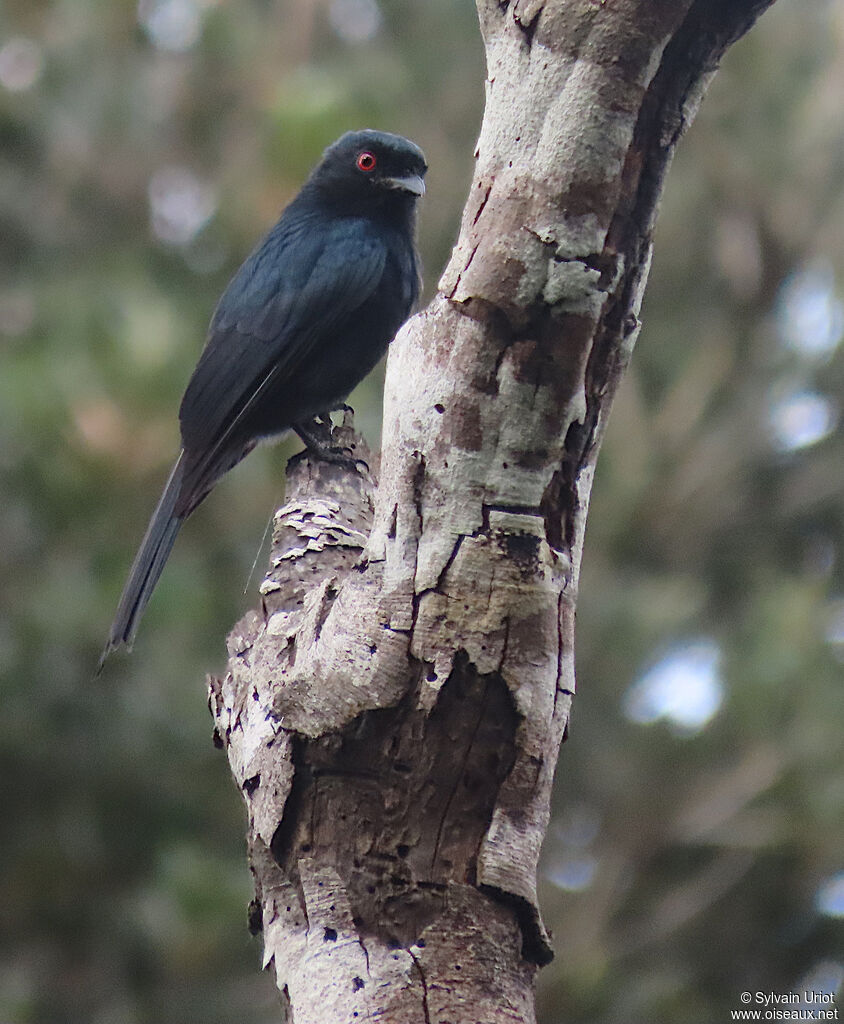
column 449, row 562
column 362, row 945
column 532, row 10
column 459, row 277
column 418, row 481
column 477, row 216
column 424, row 980
column 558, row 689
column 505, row 645
column 515, row 510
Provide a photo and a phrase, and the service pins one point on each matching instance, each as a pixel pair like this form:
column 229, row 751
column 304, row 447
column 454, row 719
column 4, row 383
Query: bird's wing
column 295, row 289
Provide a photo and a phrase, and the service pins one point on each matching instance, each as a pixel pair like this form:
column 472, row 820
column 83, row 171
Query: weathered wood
column 393, row 711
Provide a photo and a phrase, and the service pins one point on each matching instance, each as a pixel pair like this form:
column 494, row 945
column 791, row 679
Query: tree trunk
column 394, row 709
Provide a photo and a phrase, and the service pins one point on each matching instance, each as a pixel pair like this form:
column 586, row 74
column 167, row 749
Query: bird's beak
column 413, row 183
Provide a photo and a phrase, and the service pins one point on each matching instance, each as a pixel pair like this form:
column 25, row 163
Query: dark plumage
column 306, row 317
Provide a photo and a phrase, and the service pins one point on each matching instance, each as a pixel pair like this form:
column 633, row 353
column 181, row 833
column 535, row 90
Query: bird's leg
column 315, row 434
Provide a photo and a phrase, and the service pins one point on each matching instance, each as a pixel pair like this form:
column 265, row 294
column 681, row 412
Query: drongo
column 302, row 322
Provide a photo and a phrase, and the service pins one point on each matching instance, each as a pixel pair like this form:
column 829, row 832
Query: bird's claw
column 334, row 455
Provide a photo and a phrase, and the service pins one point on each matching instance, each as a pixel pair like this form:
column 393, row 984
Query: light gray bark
column 393, row 711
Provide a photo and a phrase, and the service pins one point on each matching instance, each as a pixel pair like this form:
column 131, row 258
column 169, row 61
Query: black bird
column 302, row 322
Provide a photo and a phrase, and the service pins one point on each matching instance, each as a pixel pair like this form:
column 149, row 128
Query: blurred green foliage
column 143, row 150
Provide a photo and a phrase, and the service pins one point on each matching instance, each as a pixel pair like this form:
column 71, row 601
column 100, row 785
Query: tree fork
column 393, row 711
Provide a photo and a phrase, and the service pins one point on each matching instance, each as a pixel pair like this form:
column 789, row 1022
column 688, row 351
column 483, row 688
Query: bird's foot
column 317, row 436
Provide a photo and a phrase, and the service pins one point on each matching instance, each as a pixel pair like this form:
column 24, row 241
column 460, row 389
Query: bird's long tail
column 148, row 565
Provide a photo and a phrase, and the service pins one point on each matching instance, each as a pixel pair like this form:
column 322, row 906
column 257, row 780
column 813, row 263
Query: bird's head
column 371, row 167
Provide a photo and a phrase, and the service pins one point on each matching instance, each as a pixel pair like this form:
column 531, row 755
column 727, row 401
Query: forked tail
column 149, row 562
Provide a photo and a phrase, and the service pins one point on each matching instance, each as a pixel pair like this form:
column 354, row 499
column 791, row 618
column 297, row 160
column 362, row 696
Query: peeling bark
column 393, row 710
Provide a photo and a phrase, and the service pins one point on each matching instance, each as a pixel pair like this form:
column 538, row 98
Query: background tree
column 712, row 553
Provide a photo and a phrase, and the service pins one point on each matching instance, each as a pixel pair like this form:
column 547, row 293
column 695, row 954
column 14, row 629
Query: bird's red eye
column 367, row 161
